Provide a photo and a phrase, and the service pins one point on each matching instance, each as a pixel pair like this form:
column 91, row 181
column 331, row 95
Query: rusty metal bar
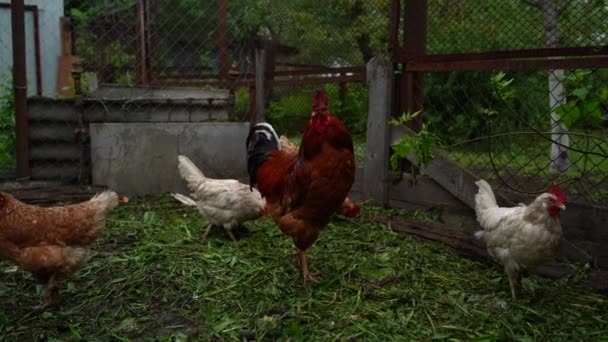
column 510, row 64
column 142, row 53
column 222, row 43
column 318, row 80
column 20, row 88
column 26, row 7
column 276, row 83
column 394, row 45
column 412, row 87
column 404, row 56
column 37, row 52
column 315, row 71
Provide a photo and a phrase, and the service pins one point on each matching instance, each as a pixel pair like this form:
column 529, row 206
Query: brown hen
column 51, row 242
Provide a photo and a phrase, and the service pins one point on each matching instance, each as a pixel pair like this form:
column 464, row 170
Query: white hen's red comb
column 558, row 193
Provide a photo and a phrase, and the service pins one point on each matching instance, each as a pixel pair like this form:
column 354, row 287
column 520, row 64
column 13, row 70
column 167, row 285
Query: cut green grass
column 152, row 279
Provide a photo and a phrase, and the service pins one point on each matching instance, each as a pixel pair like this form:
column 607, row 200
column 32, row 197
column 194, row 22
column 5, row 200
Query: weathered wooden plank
column 53, row 151
column 63, row 171
column 376, row 177
column 60, row 111
column 47, row 132
column 457, row 180
column 127, row 93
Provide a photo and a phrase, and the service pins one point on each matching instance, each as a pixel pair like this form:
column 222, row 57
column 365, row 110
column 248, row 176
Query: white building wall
column 49, row 12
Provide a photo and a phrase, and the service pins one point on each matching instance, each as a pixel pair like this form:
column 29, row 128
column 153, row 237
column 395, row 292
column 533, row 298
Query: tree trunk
column 560, row 160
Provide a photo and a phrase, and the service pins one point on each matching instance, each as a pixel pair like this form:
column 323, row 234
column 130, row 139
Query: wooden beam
column 457, row 180
column 376, row 183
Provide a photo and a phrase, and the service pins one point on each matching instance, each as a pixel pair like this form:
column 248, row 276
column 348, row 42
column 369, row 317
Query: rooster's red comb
column 319, row 101
column 558, row 193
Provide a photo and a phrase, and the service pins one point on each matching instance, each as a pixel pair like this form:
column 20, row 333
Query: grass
column 152, row 279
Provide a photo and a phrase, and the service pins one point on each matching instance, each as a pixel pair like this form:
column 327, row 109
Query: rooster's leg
column 308, row 277
column 50, row 295
column 206, row 233
column 228, row 229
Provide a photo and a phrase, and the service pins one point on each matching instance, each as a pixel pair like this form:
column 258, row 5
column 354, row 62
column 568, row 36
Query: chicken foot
column 515, row 284
column 50, row 295
column 227, row 228
column 308, row 276
column 206, row 233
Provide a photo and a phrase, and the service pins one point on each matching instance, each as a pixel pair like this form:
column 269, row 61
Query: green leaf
column 592, row 114
column 126, row 323
column 375, row 272
column 569, row 113
column 581, row 93
column 149, row 217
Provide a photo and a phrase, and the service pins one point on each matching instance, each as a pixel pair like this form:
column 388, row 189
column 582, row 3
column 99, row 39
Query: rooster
column 521, row 237
column 303, row 190
column 51, row 242
column 348, row 207
column 223, row 202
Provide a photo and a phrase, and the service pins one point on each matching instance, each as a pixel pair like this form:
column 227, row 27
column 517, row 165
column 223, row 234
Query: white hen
column 223, row 202
column 521, row 237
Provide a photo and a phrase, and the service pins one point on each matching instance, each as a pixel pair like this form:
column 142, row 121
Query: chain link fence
column 188, row 61
column 521, row 126
column 184, row 60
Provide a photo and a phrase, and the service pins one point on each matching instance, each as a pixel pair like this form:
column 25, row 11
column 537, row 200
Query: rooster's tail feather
column 261, row 141
column 185, row 200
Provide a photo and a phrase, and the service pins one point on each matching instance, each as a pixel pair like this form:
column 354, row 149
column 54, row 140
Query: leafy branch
column 420, row 144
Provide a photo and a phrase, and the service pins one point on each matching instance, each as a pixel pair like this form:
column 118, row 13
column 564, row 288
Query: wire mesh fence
column 188, row 61
column 526, row 126
column 479, row 26
column 172, row 61
column 507, row 131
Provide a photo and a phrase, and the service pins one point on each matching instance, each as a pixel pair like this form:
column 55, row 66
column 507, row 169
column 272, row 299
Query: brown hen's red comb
column 319, row 101
column 558, row 193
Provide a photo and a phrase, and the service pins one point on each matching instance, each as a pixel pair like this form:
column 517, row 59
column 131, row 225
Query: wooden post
column 20, row 89
column 412, row 87
column 260, row 75
column 222, row 44
column 376, row 175
column 142, row 51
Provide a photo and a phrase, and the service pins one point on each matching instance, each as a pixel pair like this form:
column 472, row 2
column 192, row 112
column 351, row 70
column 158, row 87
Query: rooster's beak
column 562, row 206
